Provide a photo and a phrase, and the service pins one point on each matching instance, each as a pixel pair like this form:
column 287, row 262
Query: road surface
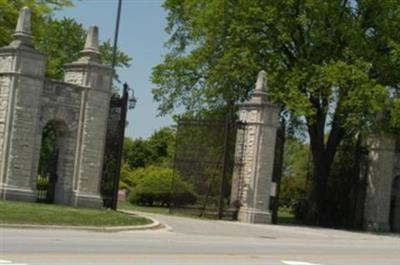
column 198, row 242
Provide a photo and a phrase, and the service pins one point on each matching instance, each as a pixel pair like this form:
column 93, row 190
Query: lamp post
column 114, row 55
column 125, row 103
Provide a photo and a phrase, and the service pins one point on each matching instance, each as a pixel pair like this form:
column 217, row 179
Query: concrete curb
column 155, row 225
column 148, row 216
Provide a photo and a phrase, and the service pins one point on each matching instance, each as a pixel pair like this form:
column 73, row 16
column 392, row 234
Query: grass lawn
column 50, row 214
column 285, row 216
column 145, row 209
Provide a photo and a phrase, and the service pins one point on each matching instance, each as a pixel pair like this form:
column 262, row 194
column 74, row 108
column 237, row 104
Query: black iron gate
column 46, row 181
column 203, row 166
column 113, row 149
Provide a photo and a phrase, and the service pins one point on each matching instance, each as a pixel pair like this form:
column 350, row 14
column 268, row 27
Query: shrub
column 183, row 193
column 42, row 180
column 130, row 178
column 293, row 190
column 154, row 187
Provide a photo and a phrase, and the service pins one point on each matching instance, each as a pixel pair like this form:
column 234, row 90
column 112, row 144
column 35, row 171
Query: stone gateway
column 252, row 186
column 77, row 108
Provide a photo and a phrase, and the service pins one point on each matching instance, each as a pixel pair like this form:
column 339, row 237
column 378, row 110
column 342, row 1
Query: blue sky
column 142, row 37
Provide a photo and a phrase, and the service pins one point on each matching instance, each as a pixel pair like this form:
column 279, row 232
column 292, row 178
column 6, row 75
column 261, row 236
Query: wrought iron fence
column 203, row 166
column 46, row 180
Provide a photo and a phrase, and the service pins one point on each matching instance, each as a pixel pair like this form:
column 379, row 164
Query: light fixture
column 132, row 100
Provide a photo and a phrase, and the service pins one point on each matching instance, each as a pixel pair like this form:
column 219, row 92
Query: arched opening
column 53, row 135
column 395, row 206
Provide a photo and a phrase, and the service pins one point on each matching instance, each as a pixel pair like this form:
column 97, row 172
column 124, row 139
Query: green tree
column 331, row 65
column 162, row 142
column 41, row 9
column 61, row 40
column 296, row 172
column 137, row 153
column 158, row 149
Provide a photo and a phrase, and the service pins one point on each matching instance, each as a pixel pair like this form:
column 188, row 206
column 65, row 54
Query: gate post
column 379, row 177
column 251, row 185
column 90, row 73
column 22, row 71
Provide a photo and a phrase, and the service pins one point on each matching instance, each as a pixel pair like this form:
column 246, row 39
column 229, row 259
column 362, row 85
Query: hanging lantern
column 132, row 100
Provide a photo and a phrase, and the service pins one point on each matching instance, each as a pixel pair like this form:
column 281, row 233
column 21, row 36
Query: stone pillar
column 380, row 172
column 97, row 78
column 22, row 71
column 251, row 185
column 396, row 205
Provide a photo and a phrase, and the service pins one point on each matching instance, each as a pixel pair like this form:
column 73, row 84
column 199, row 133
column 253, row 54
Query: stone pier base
column 87, row 200
column 377, row 226
column 17, row 193
column 254, row 216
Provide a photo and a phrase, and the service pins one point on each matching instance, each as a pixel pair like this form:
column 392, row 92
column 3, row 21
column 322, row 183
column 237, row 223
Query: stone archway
column 65, row 122
column 395, row 206
column 52, row 164
column 79, row 105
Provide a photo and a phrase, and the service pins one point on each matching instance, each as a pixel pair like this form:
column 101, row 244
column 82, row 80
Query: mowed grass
column 285, row 216
column 51, row 214
column 145, row 209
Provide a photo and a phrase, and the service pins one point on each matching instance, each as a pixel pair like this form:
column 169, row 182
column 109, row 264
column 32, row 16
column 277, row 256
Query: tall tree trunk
column 317, row 199
column 323, row 155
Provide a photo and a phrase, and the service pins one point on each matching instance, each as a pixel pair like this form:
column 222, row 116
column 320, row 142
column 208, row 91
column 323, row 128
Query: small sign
column 273, row 189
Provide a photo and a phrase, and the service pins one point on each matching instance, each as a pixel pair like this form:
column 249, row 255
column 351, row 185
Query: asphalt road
column 198, row 242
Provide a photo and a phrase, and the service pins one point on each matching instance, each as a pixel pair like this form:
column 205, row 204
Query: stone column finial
column 261, row 84
column 23, row 34
column 91, row 49
column 92, row 39
column 260, row 91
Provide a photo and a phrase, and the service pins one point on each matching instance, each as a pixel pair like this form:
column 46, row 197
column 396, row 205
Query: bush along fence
column 203, row 166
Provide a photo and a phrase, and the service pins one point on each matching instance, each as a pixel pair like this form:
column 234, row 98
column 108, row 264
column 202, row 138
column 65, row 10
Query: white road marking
column 10, row 262
column 289, row 262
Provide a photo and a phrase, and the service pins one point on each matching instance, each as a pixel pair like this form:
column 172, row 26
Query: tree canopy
column 332, row 65
column 157, row 150
column 60, row 39
column 41, row 10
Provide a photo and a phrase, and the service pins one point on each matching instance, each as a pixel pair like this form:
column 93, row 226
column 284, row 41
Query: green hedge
column 157, row 186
